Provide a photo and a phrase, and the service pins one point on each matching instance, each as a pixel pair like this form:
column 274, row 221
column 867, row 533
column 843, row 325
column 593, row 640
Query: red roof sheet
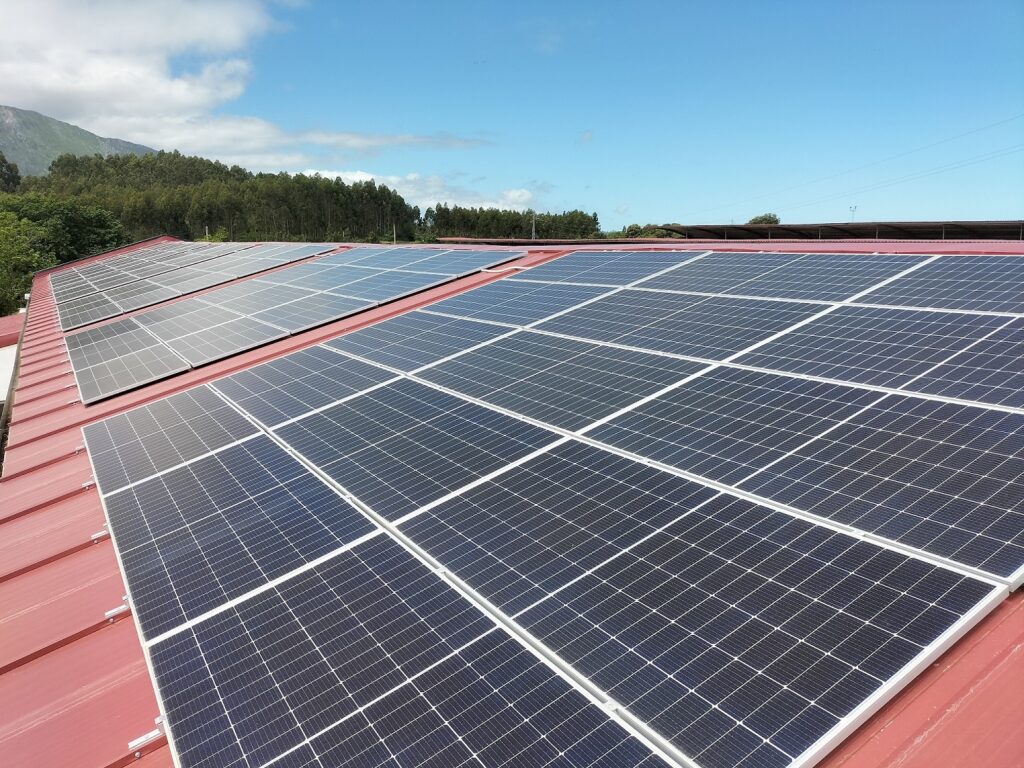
column 74, row 688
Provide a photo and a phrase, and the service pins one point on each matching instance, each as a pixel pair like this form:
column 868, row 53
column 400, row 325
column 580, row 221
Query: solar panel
column 248, row 298
column 203, row 533
column 610, row 268
column 190, row 279
column 248, row 313
column 75, row 313
column 991, row 371
column 982, row 283
column 462, row 262
column 885, row 347
column 386, row 666
column 743, row 564
column 133, row 445
column 298, row 383
column 139, row 294
column 405, row 445
column 116, row 357
column 311, row 311
column 741, row 635
column 353, row 255
column 130, row 370
column 396, row 258
column 184, row 317
column 719, row 272
column 560, row 381
column 708, row 327
column 940, row 477
column 540, row 527
column 415, row 339
column 323, row 278
column 390, row 285
column 225, row 339
column 726, row 424
column 94, row 345
column 827, row 276
column 516, row 303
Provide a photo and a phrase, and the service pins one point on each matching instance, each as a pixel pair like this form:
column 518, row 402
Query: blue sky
column 644, row 112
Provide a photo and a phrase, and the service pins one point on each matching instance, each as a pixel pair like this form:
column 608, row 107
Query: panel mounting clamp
column 135, row 745
column 113, row 614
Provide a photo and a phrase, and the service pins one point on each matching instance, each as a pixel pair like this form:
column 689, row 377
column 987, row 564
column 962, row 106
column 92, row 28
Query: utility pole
column 533, row 234
column 394, row 233
column 853, row 212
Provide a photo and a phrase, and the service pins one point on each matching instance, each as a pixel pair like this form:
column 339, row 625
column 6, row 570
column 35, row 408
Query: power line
column 914, row 176
column 872, row 164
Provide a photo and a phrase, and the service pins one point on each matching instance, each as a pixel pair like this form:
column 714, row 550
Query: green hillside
column 33, row 141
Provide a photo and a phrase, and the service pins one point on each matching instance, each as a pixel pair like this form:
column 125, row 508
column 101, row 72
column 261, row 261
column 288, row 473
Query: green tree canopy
column 72, row 228
column 765, row 218
column 9, row 176
column 22, row 252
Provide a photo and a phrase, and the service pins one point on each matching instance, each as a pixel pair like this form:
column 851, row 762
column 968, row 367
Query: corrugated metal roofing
column 74, row 688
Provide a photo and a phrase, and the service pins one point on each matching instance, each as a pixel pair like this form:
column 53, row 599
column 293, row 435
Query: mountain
column 33, row 141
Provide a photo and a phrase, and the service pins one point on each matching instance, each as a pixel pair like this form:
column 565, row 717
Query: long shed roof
column 74, row 687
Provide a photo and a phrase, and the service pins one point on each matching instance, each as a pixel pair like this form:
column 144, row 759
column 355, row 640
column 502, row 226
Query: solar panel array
column 165, row 340
column 156, row 273
column 593, row 514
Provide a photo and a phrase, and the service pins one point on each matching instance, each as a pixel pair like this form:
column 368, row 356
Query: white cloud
column 109, row 66
column 428, row 190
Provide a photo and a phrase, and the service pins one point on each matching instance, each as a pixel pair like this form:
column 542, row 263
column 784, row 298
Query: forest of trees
column 37, row 231
column 169, row 193
column 88, row 204
column 455, row 221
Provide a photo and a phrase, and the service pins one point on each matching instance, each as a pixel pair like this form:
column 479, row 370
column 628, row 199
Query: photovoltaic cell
column 720, row 272
column 390, row 285
column 141, row 295
column 516, row 303
column 183, row 317
column 127, row 372
column 729, row 423
column 298, row 383
column 941, row 477
column 826, row 276
column 355, row 685
column 991, row 371
column 740, row 634
column 396, row 258
column 560, row 381
column 312, row 311
column 414, row 339
column 981, row 283
column 867, row 345
column 744, row 636
column 611, row 268
column 225, row 339
column 539, row 527
column 201, row 534
column 326, row 279
column 88, row 309
column 707, row 327
column 404, row 445
column 249, row 298
column 462, row 262
column 104, row 342
column 135, row 444
column 189, row 279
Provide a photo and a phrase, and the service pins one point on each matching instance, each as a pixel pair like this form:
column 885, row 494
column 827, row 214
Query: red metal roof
column 10, row 328
column 74, row 688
